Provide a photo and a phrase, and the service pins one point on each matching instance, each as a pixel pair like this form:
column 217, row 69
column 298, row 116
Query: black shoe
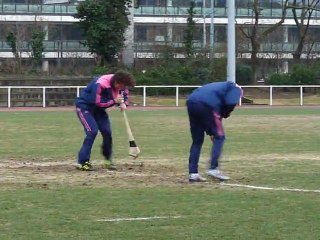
column 86, row 166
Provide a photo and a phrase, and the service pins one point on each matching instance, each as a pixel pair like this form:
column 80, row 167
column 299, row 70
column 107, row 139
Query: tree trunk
column 255, row 60
column 297, row 53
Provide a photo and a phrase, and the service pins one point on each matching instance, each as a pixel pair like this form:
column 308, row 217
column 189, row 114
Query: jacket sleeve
column 125, row 94
column 103, row 101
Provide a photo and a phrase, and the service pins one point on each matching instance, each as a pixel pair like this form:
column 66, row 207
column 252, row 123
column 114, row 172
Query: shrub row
column 299, row 75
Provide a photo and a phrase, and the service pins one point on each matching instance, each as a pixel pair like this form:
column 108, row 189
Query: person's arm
column 106, row 102
column 217, row 118
column 219, row 132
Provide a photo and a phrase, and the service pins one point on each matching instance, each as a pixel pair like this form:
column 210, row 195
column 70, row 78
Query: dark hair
column 124, row 78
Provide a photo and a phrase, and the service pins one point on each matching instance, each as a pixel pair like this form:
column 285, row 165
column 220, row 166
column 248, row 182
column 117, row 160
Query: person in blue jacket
column 101, row 93
column 207, row 106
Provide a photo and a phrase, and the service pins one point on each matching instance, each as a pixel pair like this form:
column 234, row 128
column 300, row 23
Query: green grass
column 42, row 196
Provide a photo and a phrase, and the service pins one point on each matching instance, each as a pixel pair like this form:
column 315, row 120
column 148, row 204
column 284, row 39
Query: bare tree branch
column 275, row 26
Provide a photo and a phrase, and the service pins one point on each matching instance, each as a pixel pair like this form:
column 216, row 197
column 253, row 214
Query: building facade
column 156, row 24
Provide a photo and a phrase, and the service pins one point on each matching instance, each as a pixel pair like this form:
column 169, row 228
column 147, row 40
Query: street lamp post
column 212, row 30
column 231, row 64
column 204, row 24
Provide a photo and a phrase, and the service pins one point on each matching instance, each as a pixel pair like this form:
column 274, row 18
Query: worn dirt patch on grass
column 147, row 173
column 21, row 173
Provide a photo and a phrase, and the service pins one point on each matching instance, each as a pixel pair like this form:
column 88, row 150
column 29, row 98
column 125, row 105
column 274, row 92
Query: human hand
column 212, row 138
column 123, row 106
column 119, row 99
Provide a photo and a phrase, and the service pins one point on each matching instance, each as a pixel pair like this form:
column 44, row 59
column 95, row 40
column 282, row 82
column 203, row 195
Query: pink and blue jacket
column 100, row 94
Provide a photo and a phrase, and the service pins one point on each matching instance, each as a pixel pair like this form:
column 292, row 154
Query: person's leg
column 91, row 130
column 216, row 151
column 197, row 134
column 214, row 171
column 218, row 142
column 105, row 129
column 219, row 138
column 195, row 149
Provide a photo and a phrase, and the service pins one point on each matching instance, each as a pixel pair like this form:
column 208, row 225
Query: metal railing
column 221, row 47
column 242, row 10
column 177, row 88
column 219, row 12
column 66, row 45
column 70, row 46
column 17, row 8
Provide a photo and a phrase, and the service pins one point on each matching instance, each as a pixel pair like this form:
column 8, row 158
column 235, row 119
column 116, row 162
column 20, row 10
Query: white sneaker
column 217, row 174
column 195, row 177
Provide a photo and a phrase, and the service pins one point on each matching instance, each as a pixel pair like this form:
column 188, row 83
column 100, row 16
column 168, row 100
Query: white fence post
column 177, row 96
column 270, row 100
column 144, row 95
column 301, row 96
column 9, row 97
column 44, row 97
column 78, row 91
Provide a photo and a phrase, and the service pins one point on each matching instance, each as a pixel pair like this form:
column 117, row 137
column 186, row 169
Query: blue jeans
column 94, row 121
column 204, row 120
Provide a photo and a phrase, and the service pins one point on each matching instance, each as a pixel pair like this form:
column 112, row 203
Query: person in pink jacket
column 101, row 93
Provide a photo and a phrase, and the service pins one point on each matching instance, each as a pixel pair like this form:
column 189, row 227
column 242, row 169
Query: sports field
column 273, row 154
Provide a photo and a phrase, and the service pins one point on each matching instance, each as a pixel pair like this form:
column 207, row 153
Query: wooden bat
column 133, row 148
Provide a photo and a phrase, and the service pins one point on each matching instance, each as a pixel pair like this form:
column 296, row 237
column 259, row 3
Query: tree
column 256, row 34
column 189, row 32
column 12, row 42
column 302, row 21
column 104, row 23
column 36, row 44
column 16, row 34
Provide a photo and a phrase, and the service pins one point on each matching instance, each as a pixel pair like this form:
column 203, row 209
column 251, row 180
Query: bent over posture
column 101, row 93
column 207, row 106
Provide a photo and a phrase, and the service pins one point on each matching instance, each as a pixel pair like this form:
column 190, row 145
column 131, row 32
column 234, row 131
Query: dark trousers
column 94, row 121
column 204, row 120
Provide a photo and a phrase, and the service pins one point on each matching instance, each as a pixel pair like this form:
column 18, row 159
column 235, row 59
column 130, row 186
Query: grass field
column 43, row 196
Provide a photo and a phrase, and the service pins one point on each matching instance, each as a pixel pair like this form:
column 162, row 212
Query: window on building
column 157, row 33
column 184, row 3
column 276, row 36
column 220, row 3
column 152, row 3
column 178, row 32
column 150, row 33
column 314, row 33
column 243, row 3
column 276, row 3
column 140, row 33
column 65, row 32
column 220, row 33
column 21, row 30
column 292, row 34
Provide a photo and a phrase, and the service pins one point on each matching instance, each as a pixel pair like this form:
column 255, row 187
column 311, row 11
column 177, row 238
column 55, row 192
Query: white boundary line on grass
column 137, row 218
column 269, row 188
